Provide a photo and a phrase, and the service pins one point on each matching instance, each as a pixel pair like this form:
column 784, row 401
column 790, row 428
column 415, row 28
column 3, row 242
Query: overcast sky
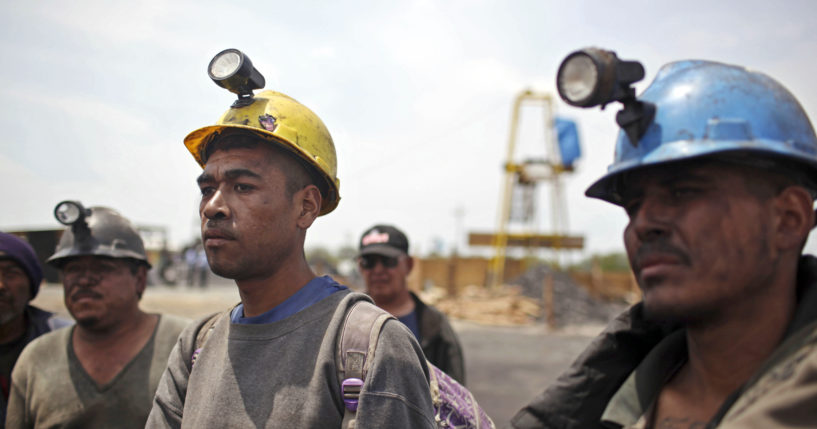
column 97, row 97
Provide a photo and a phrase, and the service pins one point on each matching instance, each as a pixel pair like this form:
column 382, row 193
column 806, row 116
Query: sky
column 97, row 97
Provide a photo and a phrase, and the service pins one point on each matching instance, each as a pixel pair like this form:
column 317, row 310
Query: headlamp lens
column 578, row 78
column 225, row 65
column 67, row 212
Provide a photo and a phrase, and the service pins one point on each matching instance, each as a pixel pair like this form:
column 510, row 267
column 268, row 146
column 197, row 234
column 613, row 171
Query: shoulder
column 433, row 322
column 50, row 340
column 45, row 349
column 45, row 321
column 787, row 386
column 173, row 323
column 426, row 310
column 185, row 331
column 346, row 299
column 36, row 313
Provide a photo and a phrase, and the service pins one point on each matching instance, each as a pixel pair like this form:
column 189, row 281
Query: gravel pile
column 572, row 305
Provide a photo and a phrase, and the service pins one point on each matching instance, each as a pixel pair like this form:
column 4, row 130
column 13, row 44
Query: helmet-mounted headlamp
column 591, row 77
column 73, row 214
column 233, row 70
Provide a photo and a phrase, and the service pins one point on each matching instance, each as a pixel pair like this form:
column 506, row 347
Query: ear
column 308, row 200
column 409, row 264
column 141, row 280
column 794, row 211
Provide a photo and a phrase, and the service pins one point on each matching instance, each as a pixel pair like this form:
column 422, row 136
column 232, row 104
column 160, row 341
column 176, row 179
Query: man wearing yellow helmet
column 269, row 172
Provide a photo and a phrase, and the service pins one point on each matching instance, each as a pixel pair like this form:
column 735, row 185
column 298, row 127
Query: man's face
column 15, row 291
column 248, row 221
column 100, row 291
column 385, row 276
column 697, row 239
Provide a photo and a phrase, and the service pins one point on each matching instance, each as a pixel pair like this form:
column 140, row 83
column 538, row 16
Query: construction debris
column 572, row 305
column 526, row 302
column 503, row 307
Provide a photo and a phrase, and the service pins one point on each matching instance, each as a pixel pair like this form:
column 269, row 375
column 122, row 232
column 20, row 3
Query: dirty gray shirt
column 284, row 375
column 50, row 388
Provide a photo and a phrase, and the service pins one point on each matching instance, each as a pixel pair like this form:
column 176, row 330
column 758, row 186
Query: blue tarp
column 568, row 137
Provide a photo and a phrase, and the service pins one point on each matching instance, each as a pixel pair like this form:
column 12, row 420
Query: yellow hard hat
column 280, row 120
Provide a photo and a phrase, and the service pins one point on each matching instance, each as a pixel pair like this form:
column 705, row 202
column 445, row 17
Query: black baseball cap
column 383, row 240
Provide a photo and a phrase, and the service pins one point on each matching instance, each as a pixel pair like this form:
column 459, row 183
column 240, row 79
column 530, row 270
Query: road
column 505, row 366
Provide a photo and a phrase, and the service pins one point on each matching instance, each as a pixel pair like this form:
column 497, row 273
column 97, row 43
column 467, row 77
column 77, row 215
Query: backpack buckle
column 351, row 388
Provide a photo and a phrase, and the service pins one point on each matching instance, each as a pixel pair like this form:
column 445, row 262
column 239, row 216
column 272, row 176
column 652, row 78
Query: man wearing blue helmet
column 717, row 180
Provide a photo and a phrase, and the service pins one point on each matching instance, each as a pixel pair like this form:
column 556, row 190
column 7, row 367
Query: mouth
column 84, row 295
column 377, row 283
column 652, row 266
column 216, row 237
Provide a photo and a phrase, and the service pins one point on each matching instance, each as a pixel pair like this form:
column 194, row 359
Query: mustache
column 217, row 228
column 81, row 293
column 658, row 248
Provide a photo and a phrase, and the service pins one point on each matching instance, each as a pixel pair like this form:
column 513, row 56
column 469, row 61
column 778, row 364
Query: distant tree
column 608, row 262
column 347, row 253
column 321, row 254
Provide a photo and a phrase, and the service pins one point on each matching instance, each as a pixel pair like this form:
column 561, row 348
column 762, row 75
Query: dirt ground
column 506, row 366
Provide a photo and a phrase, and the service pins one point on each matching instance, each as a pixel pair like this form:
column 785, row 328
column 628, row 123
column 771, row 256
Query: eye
column 206, row 191
column 103, row 267
column 683, row 192
column 71, row 269
column 243, row 187
column 12, row 273
column 631, row 207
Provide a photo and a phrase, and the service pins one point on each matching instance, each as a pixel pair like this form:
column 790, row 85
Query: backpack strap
column 356, row 347
column 204, row 333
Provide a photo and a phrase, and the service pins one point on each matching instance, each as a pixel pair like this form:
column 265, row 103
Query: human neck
column 723, row 355
column 13, row 329
column 104, row 353
column 126, row 330
column 259, row 295
column 400, row 306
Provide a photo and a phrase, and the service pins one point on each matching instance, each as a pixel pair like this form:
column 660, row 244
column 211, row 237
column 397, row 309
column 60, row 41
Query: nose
column 216, row 207
column 650, row 222
column 85, row 276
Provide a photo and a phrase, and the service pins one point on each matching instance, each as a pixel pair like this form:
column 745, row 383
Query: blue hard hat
column 706, row 108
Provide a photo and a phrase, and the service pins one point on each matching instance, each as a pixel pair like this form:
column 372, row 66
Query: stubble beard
column 6, row 317
column 233, row 268
column 676, row 314
column 12, row 313
column 89, row 323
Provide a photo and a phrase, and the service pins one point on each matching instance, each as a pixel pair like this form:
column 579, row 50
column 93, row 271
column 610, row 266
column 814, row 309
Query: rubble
column 478, row 304
column 572, row 305
column 523, row 302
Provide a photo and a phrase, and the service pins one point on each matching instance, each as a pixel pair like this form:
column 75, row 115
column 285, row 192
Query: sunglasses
column 368, row 262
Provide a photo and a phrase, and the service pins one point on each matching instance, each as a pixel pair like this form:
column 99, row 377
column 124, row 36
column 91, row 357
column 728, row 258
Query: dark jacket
column 42, row 321
column 438, row 340
column 38, row 322
column 577, row 399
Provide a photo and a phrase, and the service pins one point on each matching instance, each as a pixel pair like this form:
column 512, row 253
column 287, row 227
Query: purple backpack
column 454, row 405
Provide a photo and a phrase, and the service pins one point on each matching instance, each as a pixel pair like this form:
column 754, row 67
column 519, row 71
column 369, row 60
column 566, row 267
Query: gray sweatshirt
column 284, row 374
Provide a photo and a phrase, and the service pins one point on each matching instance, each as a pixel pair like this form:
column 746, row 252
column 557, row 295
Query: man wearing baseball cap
column 385, row 265
column 20, row 322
